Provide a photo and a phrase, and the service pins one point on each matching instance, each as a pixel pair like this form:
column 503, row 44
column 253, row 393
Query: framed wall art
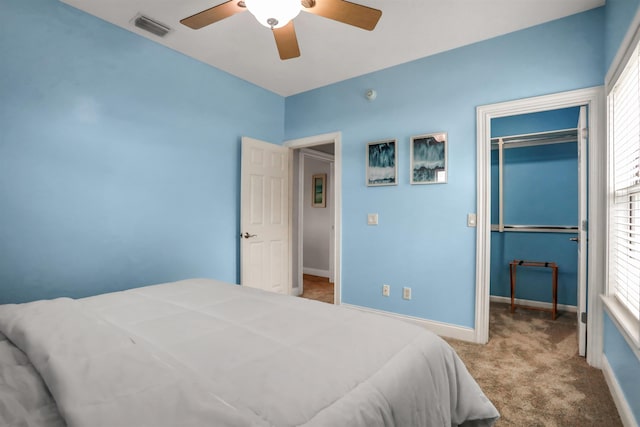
column 319, row 190
column 382, row 163
column 429, row 158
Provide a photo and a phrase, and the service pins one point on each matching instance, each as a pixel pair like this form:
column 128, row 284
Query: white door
column 264, row 216
column 582, row 230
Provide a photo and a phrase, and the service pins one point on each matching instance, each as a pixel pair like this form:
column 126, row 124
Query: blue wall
column 618, row 17
column 422, row 240
column 623, row 361
column 540, row 188
column 119, row 158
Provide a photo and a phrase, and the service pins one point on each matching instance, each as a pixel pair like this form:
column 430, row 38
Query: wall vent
column 151, row 26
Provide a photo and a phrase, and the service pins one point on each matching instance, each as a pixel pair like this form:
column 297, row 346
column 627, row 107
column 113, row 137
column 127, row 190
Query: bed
column 201, row 352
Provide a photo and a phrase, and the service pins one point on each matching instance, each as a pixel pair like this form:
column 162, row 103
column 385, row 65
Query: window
column 624, row 214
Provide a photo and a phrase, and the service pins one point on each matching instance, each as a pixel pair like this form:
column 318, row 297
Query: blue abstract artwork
column 382, row 163
column 429, row 159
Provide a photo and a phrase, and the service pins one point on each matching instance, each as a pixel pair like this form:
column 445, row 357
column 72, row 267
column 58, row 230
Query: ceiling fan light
column 274, row 13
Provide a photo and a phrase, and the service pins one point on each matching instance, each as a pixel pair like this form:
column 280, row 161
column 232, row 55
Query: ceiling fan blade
column 346, row 12
column 214, row 14
column 287, row 41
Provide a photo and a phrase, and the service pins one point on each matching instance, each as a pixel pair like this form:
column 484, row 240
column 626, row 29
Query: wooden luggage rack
column 554, row 284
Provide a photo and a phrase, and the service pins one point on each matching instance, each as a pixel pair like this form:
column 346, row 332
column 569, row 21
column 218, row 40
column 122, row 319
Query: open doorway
column 315, row 217
column 593, row 99
column 314, row 192
column 538, row 201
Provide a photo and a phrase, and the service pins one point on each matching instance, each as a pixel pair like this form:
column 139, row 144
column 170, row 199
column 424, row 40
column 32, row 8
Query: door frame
column 594, row 98
column 309, row 142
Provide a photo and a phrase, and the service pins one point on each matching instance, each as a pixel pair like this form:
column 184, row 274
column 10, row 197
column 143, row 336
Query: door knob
column 574, row 239
column 246, row 235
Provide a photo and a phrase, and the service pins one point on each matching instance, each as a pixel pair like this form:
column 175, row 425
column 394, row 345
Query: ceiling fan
column 278, row 15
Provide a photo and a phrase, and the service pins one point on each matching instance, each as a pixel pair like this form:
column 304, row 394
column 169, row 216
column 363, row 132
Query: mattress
column 202, row 352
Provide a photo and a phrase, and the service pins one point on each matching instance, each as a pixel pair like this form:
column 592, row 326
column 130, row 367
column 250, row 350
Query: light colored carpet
column 529, row 369
column 531, row 372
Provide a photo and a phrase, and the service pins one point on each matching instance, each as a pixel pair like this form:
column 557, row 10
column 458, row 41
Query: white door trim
column 594, row 99
column 336, row 139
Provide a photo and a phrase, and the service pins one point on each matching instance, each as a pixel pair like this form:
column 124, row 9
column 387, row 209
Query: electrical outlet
column 386, row 290
column 406, row 293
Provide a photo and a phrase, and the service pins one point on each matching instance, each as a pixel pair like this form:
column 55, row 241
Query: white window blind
column 624, row 233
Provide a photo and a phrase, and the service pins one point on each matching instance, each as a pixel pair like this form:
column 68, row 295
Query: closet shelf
column 537, row 228
column 538, row 138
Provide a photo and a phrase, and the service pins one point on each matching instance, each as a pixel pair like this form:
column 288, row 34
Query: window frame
column 620, row 314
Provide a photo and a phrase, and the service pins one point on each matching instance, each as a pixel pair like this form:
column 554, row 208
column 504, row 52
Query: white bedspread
column 24, row 398
column 201, row 352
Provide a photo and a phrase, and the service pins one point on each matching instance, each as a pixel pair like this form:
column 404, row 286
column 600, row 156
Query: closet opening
column 538, row 219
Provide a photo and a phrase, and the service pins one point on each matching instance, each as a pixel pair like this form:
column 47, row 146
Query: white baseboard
column 626, row 415
column 316, row 272
column 537, row 304
column 443, row 329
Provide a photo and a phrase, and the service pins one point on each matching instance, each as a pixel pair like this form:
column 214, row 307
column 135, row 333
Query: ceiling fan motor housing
column 278, row 15
column 274, row 13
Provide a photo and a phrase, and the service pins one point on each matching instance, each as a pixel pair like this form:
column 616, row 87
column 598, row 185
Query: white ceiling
column 332, row 51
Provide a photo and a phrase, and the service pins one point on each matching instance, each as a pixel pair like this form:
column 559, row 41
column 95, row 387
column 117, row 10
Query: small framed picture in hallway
column 318, row 189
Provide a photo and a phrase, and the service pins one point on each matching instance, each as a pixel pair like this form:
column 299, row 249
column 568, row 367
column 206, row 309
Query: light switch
column 372, row 219
column 471, row 220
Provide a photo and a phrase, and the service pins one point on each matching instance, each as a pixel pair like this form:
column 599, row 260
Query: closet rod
column 539, row 138
column 536, row 228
